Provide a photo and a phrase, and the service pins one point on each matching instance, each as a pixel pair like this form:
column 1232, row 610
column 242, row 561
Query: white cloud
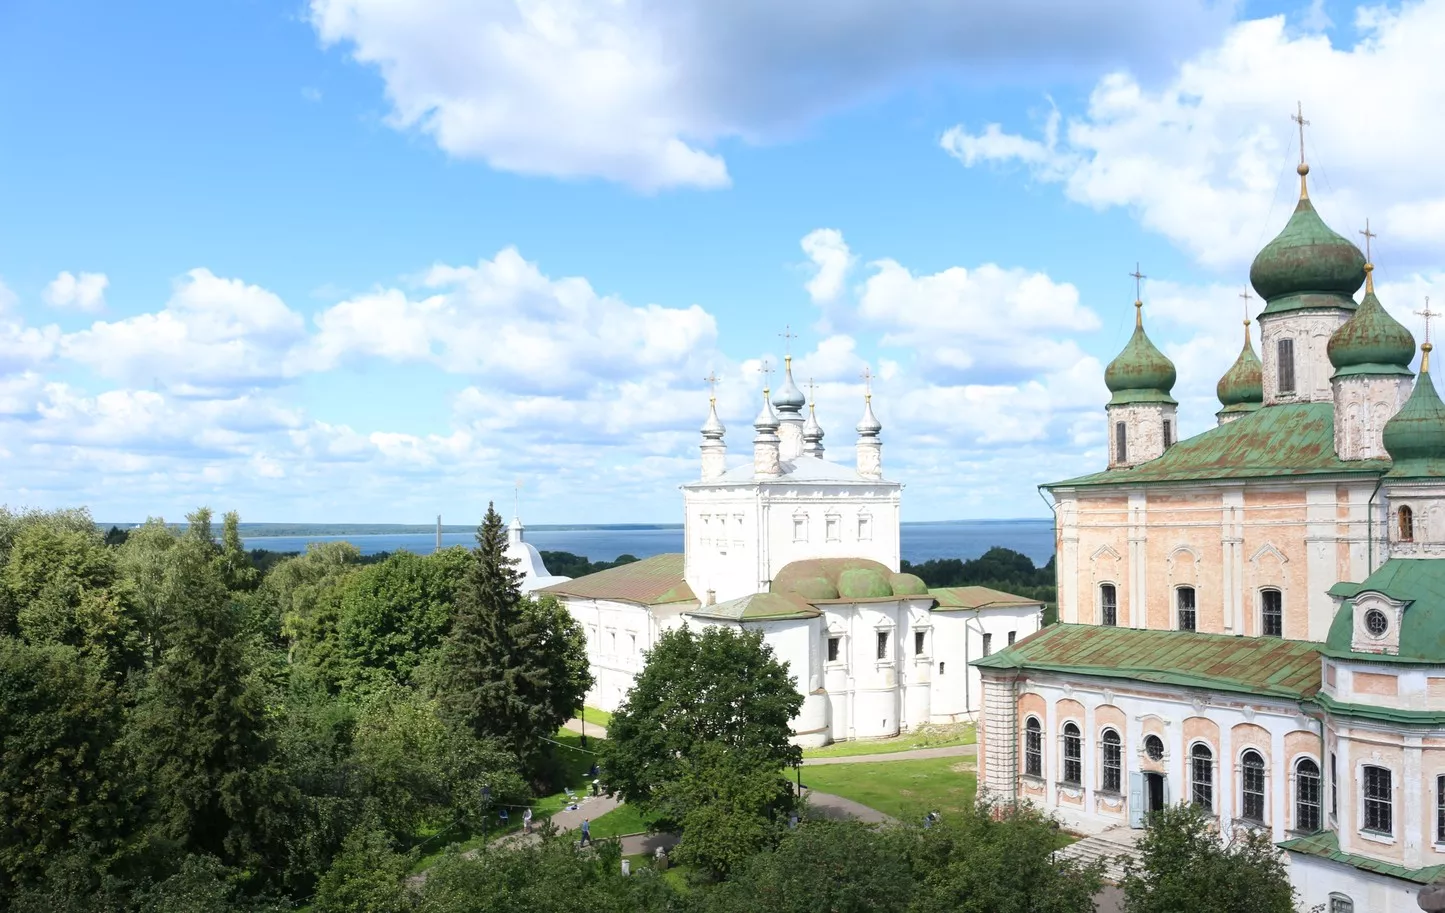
column 213, row 334
column 640, row 92
column 832, row 260
column 1206, row 159
column 7, row 298
column 85, row 292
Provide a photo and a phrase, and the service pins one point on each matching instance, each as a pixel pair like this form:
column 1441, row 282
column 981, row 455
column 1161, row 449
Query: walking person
column 586, row 834
column 527, row 821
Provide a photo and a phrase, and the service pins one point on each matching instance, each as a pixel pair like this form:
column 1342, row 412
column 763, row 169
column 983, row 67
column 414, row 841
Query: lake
column 921, row 541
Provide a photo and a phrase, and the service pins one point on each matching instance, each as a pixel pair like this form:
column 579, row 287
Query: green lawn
column 622, row 820
column 904, row 789
column 925, row 737
column 600, row 717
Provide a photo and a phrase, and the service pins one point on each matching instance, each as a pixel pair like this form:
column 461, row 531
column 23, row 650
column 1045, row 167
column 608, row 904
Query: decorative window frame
column 1099, row 601
column 926, row 656
column 832, row 527
column 1387, row 643
column 891, row 653
column 842, row 661
column 1104, row 760
column 1074, row 788
column 1395, row 823
column 800, row 524
column 864, row 525
column 1241, row 818
column 1041, row 776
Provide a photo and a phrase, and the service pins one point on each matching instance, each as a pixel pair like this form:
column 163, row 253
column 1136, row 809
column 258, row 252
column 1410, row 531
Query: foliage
column 730, row 802
column 1186, row 866
column 59, row 720
column 998, row 859
column 236, row 568
column 998, row 568
column 715, row 686
column 566, row 564
column 304, row 596
column 505, row 671
column 366, row 878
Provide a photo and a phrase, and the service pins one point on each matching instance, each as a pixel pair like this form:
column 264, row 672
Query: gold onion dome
column 1241, row 389
column 1307, row 264
column 1415, row 436
column 1371, row 341
column 1141, row 373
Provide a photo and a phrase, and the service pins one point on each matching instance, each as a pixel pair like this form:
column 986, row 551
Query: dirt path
column 916, row 754
column 591, row 730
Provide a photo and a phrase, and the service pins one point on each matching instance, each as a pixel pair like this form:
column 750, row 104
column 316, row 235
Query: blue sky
column 356, row 260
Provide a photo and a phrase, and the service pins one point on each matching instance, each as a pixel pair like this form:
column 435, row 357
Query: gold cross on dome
column 1369, row 236
column 811, row 387
column 1246, row 296
column 788, row 336
column 765, row 368
column 1427, row 314
column 1138, row 282
column 711, row 380
column 1299, row 118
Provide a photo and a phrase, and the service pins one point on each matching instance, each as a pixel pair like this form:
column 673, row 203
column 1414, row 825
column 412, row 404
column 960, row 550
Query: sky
column 362, row 260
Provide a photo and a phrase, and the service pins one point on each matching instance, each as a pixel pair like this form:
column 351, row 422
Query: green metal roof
column 1307, row 265
column 758, row 607
column 1140, row 373
column 1371, row 341
column 1241, row 389
column 966, row 598
column 1418, row 582
column 1268, row 666
column 819, row 580
column 651, row 581
column 1295, row 439
column 1415, row 436
column 1326, row 845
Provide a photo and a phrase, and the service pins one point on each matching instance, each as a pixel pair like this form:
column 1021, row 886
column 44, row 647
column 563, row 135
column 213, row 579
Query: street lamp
column 486, row 804
column 584, row 725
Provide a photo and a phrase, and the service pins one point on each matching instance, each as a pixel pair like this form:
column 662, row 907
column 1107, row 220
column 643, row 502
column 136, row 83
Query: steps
column 1107, row 846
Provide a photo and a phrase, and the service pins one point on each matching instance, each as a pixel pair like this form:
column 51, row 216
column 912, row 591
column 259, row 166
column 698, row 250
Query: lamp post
column 584, row 725
column 486, row 804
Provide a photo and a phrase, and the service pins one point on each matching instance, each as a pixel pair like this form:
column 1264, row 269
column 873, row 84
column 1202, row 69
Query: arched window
column 1285, row 365
column 1339, row 903
column 1108, row 604
column 1033, row 748
column 1407, row 523
column 1113, row 762
column 1121, row 442
column 1073, row 755
column 1307, row 796
column 1271, row 613
column 1201, row 777
column 1251, row 775
column 1184, row 597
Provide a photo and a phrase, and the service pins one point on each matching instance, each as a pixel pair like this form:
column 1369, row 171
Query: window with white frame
column 832, row 528
column 1011, row 636
column 704, row 523
column 1285, row 365
column 1251, row 776
column 1334, row 788
column 1306, row 796
column 1108, row 604
column 1073, row 755
column 865, row 527
column 1113, row 779
column 834, row 647
column 882, row 644
column 800, row 527
column 634, row 643
column 1184, row 599
column 920, row 642
column 1271, row 611
column 1379, row 804
column 1033, row 747
column 1201, row 777
column 1440, row 809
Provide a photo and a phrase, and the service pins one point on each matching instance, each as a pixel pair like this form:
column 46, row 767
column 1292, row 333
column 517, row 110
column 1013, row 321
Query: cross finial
column 1246, row 296
column 867, row 376
column 1369, row 236
column 1427, row 314
column 1138, row 282
column 765, row 368
column 517, row 499
column 811, row 394
column 1299, row 118
column 788, row 336
column 711, row 380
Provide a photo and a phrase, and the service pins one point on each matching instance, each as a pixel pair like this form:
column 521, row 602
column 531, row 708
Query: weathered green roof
column 965, row 598
column 1140, row 373
column 652, row 581
column 1418, row 582
column 1267, row 666
column 758, row 607
column 820, row 580
column 1371, row 341
column 1294, row 439
column 1307, row 265
column 1415, row 436
column 1241, row 389
column 1326, row 845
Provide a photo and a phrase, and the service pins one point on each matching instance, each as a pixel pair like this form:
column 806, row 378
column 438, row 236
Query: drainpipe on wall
column 1053, row 509
column 1369, row 527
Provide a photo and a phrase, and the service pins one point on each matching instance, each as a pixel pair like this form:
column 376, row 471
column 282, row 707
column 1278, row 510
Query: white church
column 805, row 550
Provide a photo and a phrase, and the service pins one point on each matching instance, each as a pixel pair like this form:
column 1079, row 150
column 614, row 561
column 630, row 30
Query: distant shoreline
column 292, row 530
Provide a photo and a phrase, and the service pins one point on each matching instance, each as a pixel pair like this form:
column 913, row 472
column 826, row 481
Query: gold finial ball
column 1427, row 348
column 1303, row 169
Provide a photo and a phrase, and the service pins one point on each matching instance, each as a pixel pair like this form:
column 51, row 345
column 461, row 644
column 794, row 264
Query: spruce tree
column 498, row 671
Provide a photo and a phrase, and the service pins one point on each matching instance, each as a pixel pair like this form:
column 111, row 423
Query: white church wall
column 722, row 542
column 821, row 521
column 1318, row 881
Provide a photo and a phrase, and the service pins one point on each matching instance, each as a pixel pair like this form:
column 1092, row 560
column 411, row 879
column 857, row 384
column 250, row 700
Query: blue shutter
column 1136, row 799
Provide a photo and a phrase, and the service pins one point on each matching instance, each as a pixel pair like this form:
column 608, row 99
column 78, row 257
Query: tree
column 998, row 859
column 199, row 735
column 837, row 866
column 142, row 561
column 366, row 878
column 717, row 686
column 236, row 568
column 59, row 784
column 562, row 651
column 1186, row 866
column 502, row 672
column 304, row 593
column 730, row 803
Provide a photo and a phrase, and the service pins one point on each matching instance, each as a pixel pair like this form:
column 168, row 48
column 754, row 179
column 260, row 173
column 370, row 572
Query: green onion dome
column 1371, row 341
column 1141, row 373
column 1415, row 436
column 1307, row 264
column 1241, row 389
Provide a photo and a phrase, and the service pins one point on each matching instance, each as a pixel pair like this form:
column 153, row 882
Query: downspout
column 1370, row 528
column 1053, row 509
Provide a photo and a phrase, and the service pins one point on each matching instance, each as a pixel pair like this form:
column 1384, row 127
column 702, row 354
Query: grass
column 924, row 737
column 674, row 874
column 621, row 821
column 903, row 789
column 600, row 717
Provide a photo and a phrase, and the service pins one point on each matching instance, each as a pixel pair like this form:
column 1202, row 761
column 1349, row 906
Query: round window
column 1154, row 748
column 1376, row 622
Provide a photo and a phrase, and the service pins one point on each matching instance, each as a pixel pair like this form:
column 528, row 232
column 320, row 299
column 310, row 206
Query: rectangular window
column 1334, row 789
column 1440, row 809
column 833, row 643
column 1339, row 903
column 1379, row 811
column 1272, row 613
column 634, row 643
column 1108, row 604
column 1011, row 638
column 882, row 644
column 918, row 643
column 1307, row 797
column 800, row 529
column 987, row 644
column 1168, row 434
column 940, row 668
column 1121, row 442
column 1185, row 597
column 830, row 527
column 865, row 528
column 1253, row 781
column 1201, row 778
column 1286, row 365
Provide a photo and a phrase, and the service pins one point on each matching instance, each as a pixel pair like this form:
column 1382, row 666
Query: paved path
column 916, row 754
column 592, row 730
column 590, row 808
column 827, row 805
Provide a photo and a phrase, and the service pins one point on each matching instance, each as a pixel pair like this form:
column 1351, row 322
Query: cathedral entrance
column 1154, row 792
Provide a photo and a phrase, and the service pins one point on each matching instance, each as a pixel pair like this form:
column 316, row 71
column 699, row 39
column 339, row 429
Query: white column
column 1225, row 774
column 1281, row 781
column 1407, row 793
